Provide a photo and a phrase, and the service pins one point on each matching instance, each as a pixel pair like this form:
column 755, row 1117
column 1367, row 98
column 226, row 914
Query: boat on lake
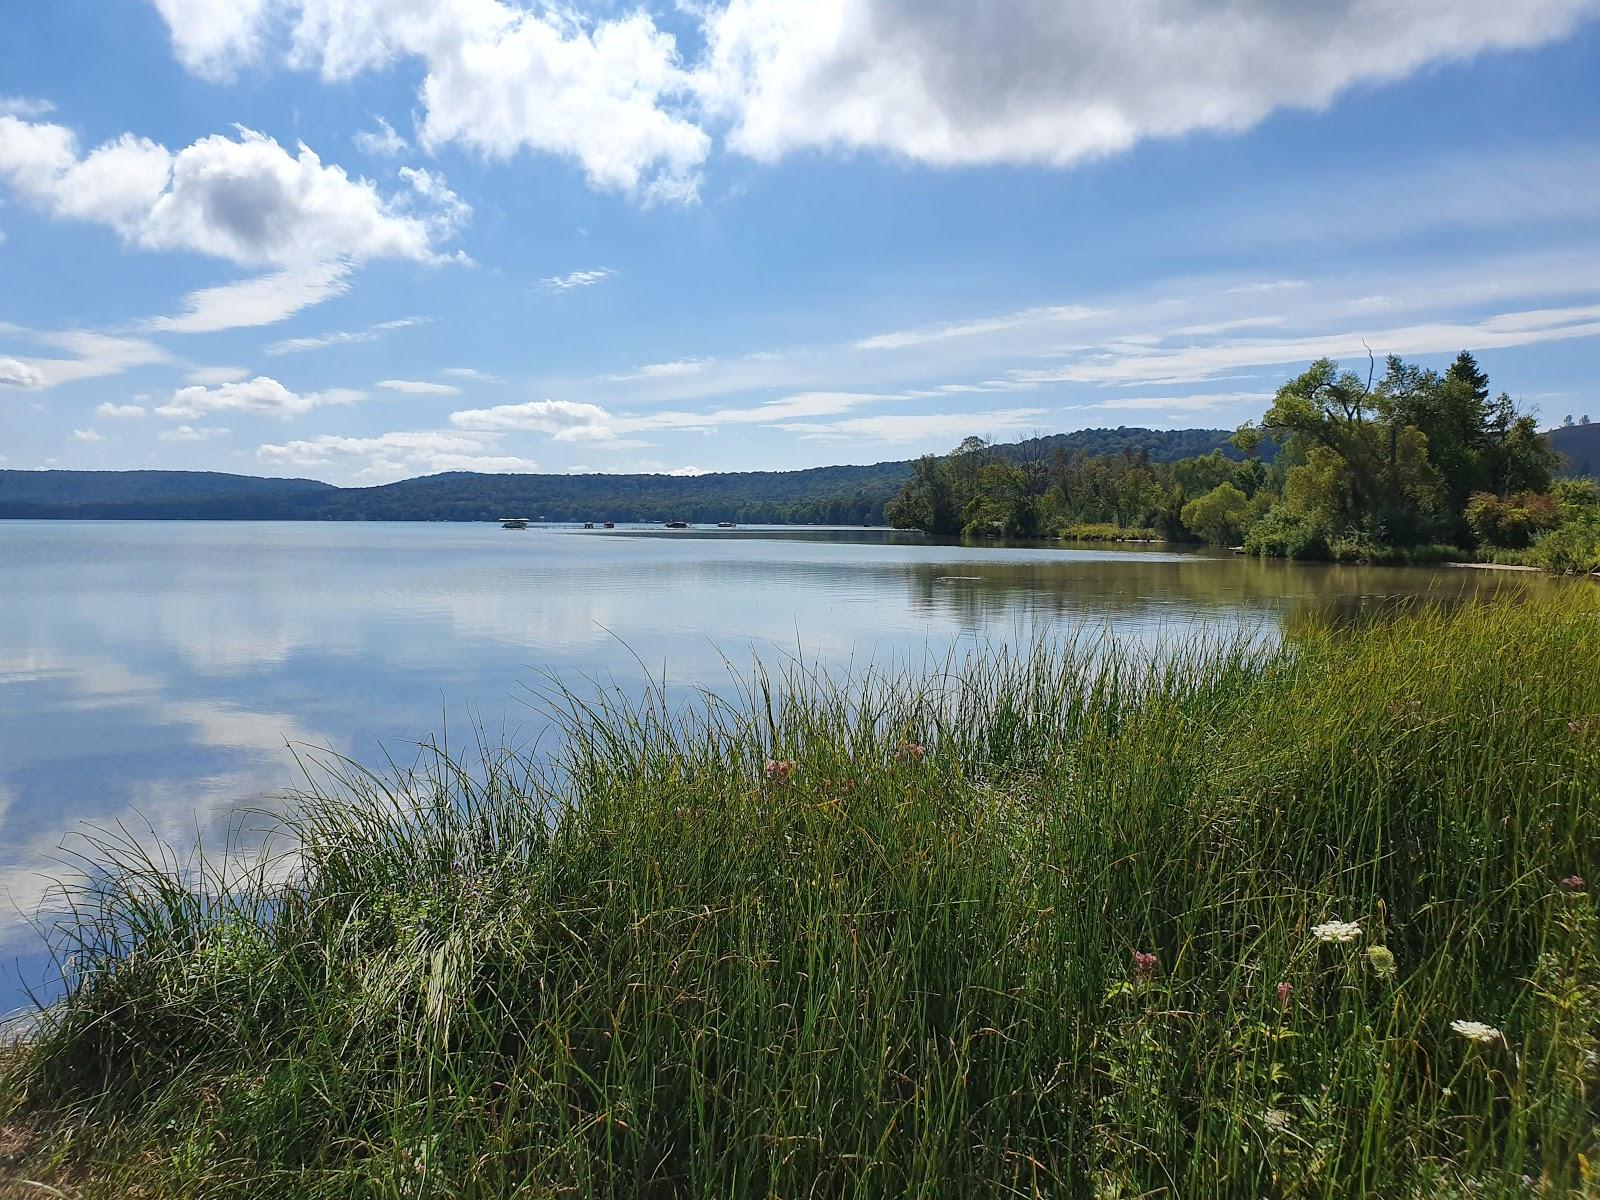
column 725, row 525
column 513, row 522
column 588, row 524
column 677, row 524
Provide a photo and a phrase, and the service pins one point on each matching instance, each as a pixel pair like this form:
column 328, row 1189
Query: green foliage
column 1379, row 465
column 1286, row 534
column 1511, row 522
column 1572, row 548
column 1219, row 517
column 1002, row 504
column 1050, row 484
column 1046, row 924
column 927, row 501
column 1103, row 532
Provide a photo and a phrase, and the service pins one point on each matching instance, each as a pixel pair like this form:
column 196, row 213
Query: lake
column 155, row 673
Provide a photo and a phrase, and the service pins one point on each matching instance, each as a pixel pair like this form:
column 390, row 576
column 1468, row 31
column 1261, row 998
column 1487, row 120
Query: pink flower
column 1572, row 883
column 1144, row 964
column 913, row 750
column 1283, row 995
column 780, row 769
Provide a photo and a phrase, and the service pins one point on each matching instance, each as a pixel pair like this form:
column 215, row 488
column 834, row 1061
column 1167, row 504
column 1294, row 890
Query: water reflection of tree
column 978, row 594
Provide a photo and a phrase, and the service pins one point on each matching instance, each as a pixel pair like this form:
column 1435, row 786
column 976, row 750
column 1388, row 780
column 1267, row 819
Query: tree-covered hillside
column 846, row 495
column 125, row 487
column 1579, row 447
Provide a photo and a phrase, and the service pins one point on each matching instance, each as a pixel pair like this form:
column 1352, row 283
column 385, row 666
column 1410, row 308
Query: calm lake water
column 154, row 673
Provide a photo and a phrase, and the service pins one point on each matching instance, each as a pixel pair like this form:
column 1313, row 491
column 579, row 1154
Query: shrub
column 1511, row 522
column 1284, row 534
column 1572, row 548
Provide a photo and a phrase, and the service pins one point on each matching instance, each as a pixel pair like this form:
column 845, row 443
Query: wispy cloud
column 905, row 428
column 382, row 142
column 93, row 356
column 212, row 376
column 262, row 300
column 395, row 455
column 419, row 387
column 664, row 370
column 191, row 433
column 1054, row 315
column 576, row 279
column 25, row 107
column 344, row 337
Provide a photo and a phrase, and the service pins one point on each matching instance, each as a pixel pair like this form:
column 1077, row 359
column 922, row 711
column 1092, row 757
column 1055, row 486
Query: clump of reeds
column 1304, row 920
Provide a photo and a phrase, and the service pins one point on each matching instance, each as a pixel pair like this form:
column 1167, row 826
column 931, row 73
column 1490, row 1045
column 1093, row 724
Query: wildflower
column 1572, row 883
column 1144, row 964
column 780, row 769
column 1275, row 1119
column 1283, row 995
column 915, row 751
column 1477, row 1031
column 1336, row 931
column 1381, row 960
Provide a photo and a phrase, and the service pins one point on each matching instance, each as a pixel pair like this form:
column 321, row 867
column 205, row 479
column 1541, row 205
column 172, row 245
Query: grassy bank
column 1059, row 926
column 1102, row 532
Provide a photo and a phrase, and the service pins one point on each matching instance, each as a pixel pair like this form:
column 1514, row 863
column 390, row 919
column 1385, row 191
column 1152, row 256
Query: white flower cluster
column 1336, row 931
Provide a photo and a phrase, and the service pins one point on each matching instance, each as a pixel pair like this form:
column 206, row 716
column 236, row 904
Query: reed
column 1064, row 921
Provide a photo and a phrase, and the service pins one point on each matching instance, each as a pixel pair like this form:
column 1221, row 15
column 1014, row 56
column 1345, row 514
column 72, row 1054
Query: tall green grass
column 877, row 937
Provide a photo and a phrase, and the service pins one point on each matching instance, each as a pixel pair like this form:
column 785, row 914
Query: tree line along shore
column 1410, row 465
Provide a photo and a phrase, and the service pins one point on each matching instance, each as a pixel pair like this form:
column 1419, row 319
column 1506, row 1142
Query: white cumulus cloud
column 945, row 82
column 261, row 396
column 247, row 200
column 120, row 411
column 566, row 420
column 949, row 82
column 215, row 39
column 18, row 374
column 498, row 78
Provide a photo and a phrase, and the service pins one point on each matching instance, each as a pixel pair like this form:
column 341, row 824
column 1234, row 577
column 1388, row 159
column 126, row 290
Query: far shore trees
column 1409, row 463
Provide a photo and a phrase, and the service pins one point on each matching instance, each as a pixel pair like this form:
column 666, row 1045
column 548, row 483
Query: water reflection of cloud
column 211, row 760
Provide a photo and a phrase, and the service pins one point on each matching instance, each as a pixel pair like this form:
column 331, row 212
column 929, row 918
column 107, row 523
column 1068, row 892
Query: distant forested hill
column 123, row 487
column 1580, row 446
column 818, row 495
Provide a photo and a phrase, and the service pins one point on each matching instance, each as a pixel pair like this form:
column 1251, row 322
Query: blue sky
column 365, row 239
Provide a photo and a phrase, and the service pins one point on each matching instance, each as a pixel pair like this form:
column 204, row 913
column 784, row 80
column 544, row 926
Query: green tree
column 927, row 501
column 1219, row 517
column 1004, row 503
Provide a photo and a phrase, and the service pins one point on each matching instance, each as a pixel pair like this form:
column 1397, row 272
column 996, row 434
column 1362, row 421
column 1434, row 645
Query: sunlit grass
column 1059, row 923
